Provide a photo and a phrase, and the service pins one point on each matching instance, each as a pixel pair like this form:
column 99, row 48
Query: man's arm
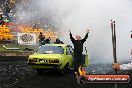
column 72, row 39
column 86, row 36
column 126, row 66
column 122, row 67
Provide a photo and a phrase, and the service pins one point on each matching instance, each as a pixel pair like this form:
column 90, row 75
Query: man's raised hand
column 87, row 30
column 69, row 31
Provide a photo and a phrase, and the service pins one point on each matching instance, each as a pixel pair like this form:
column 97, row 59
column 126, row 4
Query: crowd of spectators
column 43, row 40
column 9, row 10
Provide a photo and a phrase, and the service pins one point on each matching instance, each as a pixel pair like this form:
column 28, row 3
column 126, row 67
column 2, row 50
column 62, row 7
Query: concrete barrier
column 13, row 58
column 16, row 53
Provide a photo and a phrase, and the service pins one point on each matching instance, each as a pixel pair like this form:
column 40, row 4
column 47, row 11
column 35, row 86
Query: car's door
column 69, row 52
column 85, row 56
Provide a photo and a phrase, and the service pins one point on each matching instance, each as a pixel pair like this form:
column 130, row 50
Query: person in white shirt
column 128, row 66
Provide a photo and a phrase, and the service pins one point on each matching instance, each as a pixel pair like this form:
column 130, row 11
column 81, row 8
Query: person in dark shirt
column 78, row 49
column 41, row 39
column 47, row 41
column 58, row 41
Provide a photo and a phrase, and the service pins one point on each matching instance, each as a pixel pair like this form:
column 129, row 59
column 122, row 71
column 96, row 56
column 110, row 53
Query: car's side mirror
column 86, row 49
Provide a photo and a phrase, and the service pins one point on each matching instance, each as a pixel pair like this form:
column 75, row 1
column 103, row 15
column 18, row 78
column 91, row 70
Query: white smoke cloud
column 77, row 15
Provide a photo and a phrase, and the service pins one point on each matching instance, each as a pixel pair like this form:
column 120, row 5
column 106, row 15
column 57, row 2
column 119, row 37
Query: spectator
column 58, row 41
column 47, row 41
column 127, row 66
column 41, row 39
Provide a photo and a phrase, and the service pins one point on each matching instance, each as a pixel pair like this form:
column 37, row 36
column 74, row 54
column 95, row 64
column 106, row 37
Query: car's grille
column 49, row 61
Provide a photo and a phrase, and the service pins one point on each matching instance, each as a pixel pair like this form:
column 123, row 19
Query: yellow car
column 52, row 56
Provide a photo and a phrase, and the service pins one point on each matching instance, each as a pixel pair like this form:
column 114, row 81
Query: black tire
column 82, row 80
column 66, row 69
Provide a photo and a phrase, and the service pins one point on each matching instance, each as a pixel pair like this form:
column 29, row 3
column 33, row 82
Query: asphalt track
column 15, row 73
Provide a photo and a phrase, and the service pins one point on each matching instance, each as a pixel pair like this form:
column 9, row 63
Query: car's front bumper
column 45, row 66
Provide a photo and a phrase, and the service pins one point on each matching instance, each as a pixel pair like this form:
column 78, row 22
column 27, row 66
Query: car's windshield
column 50, row 50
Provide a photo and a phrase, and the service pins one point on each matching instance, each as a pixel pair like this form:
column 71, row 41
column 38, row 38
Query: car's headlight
column 54, row 61
column 33, row 60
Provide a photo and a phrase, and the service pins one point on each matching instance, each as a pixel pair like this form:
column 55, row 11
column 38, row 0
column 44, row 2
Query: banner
column 26, row 38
